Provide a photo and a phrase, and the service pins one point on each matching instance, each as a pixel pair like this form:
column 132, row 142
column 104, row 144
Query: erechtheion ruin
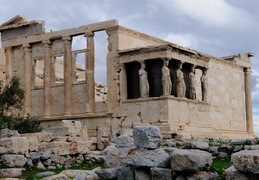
column 149, row 81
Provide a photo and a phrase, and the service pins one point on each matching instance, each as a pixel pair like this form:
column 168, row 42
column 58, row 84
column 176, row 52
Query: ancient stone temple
column 149, row 81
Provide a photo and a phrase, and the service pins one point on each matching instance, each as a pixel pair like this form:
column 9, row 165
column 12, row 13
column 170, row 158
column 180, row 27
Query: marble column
column 68, row 76
column 47, row 81
column 9, row 60
column 27, row 79
column 89, row 73
column 248, row 101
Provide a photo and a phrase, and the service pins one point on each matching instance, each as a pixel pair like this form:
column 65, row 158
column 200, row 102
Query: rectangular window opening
column 59, row 69
column 38, row 72
column 100, row 71
column 78, row 55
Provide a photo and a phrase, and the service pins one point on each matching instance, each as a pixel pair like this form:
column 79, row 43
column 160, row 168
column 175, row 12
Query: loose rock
column 148, row 137
column 190, row 160
column 246, row 161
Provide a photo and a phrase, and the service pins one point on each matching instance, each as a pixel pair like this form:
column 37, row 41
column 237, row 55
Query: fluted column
column 47, row 81
column 248, row 101
column 68, row 76
column 27, row 79
column 89, row 73
column 9, row 60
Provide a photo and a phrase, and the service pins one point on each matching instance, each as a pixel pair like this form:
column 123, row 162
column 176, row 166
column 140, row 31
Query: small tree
column 12, row 97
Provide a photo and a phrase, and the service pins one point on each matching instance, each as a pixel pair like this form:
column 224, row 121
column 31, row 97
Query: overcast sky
column 215, row 27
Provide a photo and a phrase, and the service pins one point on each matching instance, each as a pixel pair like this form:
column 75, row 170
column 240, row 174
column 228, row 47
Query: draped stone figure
column 166, row 79
column 180, row 84
column 143, row 81
column 204, row 85
column 192, row 80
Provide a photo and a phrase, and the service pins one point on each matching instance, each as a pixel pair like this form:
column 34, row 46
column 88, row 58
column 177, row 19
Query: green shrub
column 12, row 98
column 219, row 166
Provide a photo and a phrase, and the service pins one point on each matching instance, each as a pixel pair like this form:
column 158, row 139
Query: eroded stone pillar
column 89, row 73
column 123, row 83
column 248, row 101
column 47, row 81
column 27, row 79
column 68, row 76
column 9, row 60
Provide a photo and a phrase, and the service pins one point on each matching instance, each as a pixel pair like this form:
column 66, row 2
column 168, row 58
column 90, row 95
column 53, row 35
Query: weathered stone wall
column 132, row 39
column 226, row 95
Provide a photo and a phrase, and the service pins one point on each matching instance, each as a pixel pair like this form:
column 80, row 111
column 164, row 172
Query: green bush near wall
column 12, row 98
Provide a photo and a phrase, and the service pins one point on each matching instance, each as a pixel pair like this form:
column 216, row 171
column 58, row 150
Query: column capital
column 89, row 34
column 46, row 42
column 66, row 38
column 247, row 70
column 26, row 46
column 165, row 58
column 9, row 48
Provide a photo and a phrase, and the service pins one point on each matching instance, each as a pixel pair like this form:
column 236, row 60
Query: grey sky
column 215, row 27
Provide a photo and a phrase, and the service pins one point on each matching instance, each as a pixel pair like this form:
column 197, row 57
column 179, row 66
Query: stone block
column 11, row 172
column 170, row 143
column 106, row 174
column 213, row 150
column 169, row 150
column 116, row 157
column 233, row 174
column 246, row 161
column 38, row 137
column 223, row 156
column 58, row 159
column 203, row 175
column 65, row 148
column 126, row 173
column 14, row 145
column 12, row 160
column 190, row 160
column 238, row 148
column 72, row 172
column 47, row 173
column 84, row 134
column 251, row 141
column 7, row 133
column 58, row 131
column 148, row 158
column 199, row 145
column 161, row 173
column 142, row 174
column 58, row 177
column 225, row 148
column 238, row 142
column 148, row 137
column 123, row 141
column 251, row 147
column 35, row 156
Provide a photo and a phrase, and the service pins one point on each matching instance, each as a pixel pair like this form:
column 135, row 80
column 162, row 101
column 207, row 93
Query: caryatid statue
column 192, row 80
column 166, row 78
column 143, row 81
column 204, row 84
column 180, row 84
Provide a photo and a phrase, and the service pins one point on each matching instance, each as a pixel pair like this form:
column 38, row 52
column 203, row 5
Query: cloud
column 186, row 40
column 208, row 13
